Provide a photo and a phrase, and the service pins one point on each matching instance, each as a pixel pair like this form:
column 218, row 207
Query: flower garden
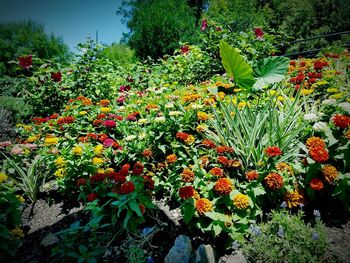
column 268, row 134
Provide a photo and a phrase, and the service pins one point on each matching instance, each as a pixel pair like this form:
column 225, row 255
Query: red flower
column 57, row 77
column 147, row 153
column 258, row 33
column 109, row 124
column 117, row 177
column 273, row 151
column 319, row 154
column 91, row 197
column 316, row 184
column 124, row 171
column 186, row 192
column 274, row 181
column 208, row 144
column 182, row 136
column 148, row 183
column 224, row 161
column 252, row 175
column 25, row 62
column 185, row 49
column 318, row 65
column 224, row 149
column 101, row 116
column 204, row 24
column 81, row 182
column 126, row 188
column 97, row 123
column 137, row 168
column 341, row 121
column 223, row 186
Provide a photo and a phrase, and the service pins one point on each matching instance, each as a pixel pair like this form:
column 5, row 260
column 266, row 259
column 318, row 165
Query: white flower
column 345, row 106
column 196, row 106
column 319, row 126
column 130, row 137
column 142, row 135
column 310, row 117
column 329, row 102
column 169, row 105
column 174, row 113
column 159, row 119
column 142, row 121
column 121, row 108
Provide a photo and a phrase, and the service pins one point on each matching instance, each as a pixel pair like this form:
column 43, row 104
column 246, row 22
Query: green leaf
column 236, row 67
column 188, row 211
column 218, row 217
column 135, row 207
column 217, row 229
column 270, row 70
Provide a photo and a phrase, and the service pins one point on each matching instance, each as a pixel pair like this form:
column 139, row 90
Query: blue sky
column 71, row 19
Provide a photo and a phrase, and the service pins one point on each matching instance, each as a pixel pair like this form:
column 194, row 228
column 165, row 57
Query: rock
column 237, row 257
column 49, row 240
column 205, row 254
column 181, row 251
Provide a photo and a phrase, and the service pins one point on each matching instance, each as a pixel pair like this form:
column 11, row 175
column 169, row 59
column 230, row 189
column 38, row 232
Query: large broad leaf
column 236, row 67
column 270, row 70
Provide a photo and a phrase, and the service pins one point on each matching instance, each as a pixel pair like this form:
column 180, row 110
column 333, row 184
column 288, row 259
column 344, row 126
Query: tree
column 23, row 38
column 156, row 26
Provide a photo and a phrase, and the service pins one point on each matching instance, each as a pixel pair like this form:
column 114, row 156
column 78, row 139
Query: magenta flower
column 25, row 61
column 108, row 142
column 109, row 124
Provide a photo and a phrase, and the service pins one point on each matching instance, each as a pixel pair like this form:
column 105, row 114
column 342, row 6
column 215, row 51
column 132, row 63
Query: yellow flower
column 97, row 161
column 190, row 139
column 109, row 170
column 27, row 127
column 332, row 90
column 20, row 198
column 202, row 116
column 31, row 139
column 105, row 109
column 59, row 173
column 336, row 96
column 3, row 177
column 17, row 232
column 241, row 201
column 272, row 92
column 201, row 128
column 242, row 104
column 60, row 161
column 51, row 141
column 221, row 95
column 98, row 149
column 280, row 98
column 330, row 173
column 203, row 205
column 84, row 112
column 100, row 171
column 294, row 198
column 77, row 150
column 306, row 92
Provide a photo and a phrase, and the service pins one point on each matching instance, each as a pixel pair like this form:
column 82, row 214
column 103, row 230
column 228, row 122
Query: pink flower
column 109, row 124
column 5, row 144
column 258, row 33
column 204, row 24
column 25, row 61
column 108, row 142
column 121, row 100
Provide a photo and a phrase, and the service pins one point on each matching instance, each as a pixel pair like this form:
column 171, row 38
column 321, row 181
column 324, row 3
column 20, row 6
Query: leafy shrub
column 285, row 237
column 6, row 124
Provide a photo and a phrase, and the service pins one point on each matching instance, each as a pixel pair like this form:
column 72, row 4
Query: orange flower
column 187, row 175
column 172, row 158
column 217, row 172
column 313, row 142
column 182, row 136
column 208, row 144
column 147, row 153
column 105, row 103
column 273, row 151
column 87, row 102
column 224, row 149
column 203, row 205
column 294, row 198
column 329, row 173
column 151, row 106
column 283, row 167
column 223, row 160
column 252, row 175
column 202, row 116
column 274, row 181
column 319, row 154
column 223, row 186
column 241, row 201
column 316, row 184
column 204, row 161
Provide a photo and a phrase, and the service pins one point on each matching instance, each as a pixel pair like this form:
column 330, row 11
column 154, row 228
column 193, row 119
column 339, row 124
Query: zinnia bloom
column 316, row 184
column 313, row 142
column 51, row 141
column 274, row 181
column 109, row 124
column 223, row 160
column 294, row 198
column 98, row 149
column 241, row 201
column 187, row 175
column 147, row 153
column 126, row 188
column 342, row 121
column 108, row 142
column 217, row 172
column 185, row 49
column 204, row 24
column 186, row 192
column 56, row 76
column 208, row 144
column 329, row 173
column 105, row 103
column 97, row 161
column 202, row 116
column 223, row 186
column 60, row 161
column 319, row 154
column 148, row 183
column 92, row 197
column 203, row 205
column 224, row 149
column 81, row 182
column 137, row 168
column 172, row 158
column 25, row 61
column 252, row 175
column 182, row 136
column 273, row 151
column 77, row 150
column 258, row 33
column 284, row 167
